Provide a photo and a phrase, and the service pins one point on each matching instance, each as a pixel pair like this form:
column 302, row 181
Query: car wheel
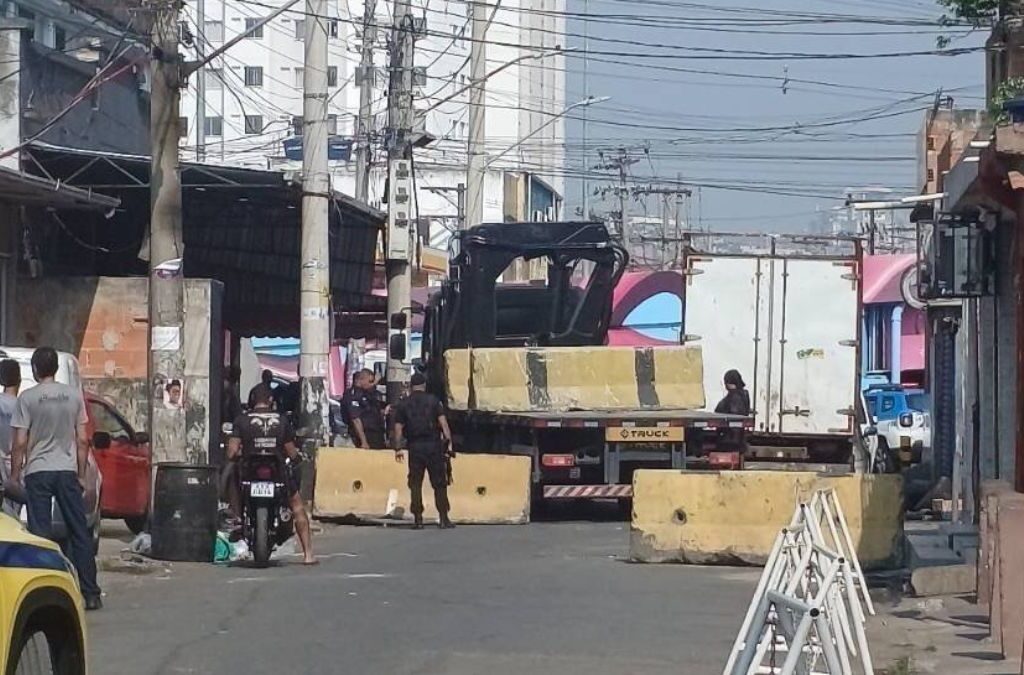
column 35, row 656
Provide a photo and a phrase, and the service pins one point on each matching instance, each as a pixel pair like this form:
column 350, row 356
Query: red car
column 124, row 460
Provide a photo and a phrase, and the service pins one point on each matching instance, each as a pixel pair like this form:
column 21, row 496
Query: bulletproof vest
column 421, row 416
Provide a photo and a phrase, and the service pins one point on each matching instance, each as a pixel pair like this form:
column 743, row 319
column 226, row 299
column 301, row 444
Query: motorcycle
column 266, row 512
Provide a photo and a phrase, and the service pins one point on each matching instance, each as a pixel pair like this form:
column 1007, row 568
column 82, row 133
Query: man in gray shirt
column 10, row 379
column 51, row 450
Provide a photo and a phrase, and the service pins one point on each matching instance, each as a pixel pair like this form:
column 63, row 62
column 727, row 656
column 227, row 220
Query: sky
column 772, row 150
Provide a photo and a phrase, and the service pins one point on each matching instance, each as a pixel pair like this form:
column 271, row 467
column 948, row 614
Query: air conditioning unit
column 958, row 258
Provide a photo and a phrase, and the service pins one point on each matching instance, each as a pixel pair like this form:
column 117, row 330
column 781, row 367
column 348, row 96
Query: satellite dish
column 908, row 288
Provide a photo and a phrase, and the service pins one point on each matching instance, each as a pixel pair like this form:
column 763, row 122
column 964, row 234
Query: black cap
column 418, row 380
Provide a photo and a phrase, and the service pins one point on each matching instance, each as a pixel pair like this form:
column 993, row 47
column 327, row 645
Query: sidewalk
column 945, row 634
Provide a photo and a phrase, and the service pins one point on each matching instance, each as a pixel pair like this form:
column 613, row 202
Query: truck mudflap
column 588, row 491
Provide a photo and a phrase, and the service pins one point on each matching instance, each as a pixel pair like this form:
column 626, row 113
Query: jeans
column 64, row 488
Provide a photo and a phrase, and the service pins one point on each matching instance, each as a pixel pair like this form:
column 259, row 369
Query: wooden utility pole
column 366, row 80
column 400, row 203
column 315, row 284
column 166, row 244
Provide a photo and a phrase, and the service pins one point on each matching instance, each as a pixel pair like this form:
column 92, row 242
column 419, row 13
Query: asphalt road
column 552, row 597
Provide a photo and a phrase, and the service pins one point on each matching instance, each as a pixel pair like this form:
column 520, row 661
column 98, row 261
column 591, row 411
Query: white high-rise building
column 253, row 100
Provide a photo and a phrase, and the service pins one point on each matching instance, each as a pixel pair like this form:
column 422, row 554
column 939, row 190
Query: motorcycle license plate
column 261, row 490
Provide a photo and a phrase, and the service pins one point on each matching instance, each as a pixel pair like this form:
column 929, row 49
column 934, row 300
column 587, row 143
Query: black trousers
column 428, row 459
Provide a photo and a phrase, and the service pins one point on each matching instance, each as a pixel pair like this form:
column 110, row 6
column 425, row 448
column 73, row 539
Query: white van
column 67, row 366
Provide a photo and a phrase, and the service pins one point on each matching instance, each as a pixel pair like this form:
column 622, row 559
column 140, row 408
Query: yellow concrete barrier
column 732, row 517
column 370, row 484
column 571, row 378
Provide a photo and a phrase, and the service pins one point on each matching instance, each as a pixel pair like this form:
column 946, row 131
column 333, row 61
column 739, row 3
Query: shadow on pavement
column 576, row 510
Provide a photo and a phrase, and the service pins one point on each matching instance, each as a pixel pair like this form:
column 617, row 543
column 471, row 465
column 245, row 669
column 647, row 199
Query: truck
column 790, row 322
column 621, row 416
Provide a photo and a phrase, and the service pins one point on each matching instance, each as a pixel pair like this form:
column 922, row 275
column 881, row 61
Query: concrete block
column 733, row 517
column 457, row 371
column 1010, row 589
column 370, row 484
column 944, row 580
column 990, row 491
column 561, row 378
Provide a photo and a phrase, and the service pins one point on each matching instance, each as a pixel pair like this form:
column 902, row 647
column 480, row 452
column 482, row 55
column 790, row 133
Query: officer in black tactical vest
column 420, row 418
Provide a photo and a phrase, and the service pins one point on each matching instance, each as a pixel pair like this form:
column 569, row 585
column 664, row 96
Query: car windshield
column 918, row 401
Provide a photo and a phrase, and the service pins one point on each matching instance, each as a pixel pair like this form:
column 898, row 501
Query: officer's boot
column 441, row 500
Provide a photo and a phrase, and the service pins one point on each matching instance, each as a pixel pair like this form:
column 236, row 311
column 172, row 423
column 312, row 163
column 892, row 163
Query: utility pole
column 477, row 151
column 315, row 284
column 366, row 79
column 166, row 240
column 400, row 215
column 200, row 82
column 619, row 163
column 460, row 201
column 677, row 191
column 586, row 113
column 166, row 243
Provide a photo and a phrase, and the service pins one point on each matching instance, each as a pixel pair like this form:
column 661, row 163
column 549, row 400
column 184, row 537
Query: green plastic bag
column 221, row 549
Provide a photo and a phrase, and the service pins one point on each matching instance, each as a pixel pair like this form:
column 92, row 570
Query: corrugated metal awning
column 25, row 189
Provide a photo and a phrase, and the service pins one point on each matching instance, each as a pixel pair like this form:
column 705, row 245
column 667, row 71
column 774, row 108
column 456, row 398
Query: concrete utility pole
column 619, row 163
column 201, row 81
column 166, row 240
column 677, row 191
column 366, row 79
column 400, row 205
column 476, row 167
column 166, row 244
column 460, row 201
column 315, row 285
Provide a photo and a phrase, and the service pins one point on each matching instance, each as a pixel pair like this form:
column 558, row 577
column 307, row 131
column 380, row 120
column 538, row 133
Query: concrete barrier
column 563, row 378
column 733, row 517
column 370, row 484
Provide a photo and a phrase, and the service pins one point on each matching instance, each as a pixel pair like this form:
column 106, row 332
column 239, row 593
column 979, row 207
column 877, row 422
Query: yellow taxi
column 42, row 618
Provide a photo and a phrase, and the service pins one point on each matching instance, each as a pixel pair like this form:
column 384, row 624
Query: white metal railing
column 808, row 612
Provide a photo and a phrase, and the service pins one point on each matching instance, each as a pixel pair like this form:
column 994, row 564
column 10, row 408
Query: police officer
column 364, row 412
column 420, row 418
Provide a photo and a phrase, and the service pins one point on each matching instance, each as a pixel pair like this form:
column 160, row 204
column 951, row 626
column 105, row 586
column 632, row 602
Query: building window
column 251, row 22
column 254, row 124
column 254, row 76
column 931, row 142
column 213, row 31
column 332, row 125
column 214, row 126
column 60, row 38
column 299, row 76
column 931, row 175
column 213, row 79
column 332, row 28
column 300, row 29
column 297, row 126
column 183, row 127
column 332, row 76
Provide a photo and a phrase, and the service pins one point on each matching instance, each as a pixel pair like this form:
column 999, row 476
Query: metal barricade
column 809, row 610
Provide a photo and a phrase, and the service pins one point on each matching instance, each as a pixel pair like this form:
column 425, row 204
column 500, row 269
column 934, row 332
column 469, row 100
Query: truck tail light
column 558, row 461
